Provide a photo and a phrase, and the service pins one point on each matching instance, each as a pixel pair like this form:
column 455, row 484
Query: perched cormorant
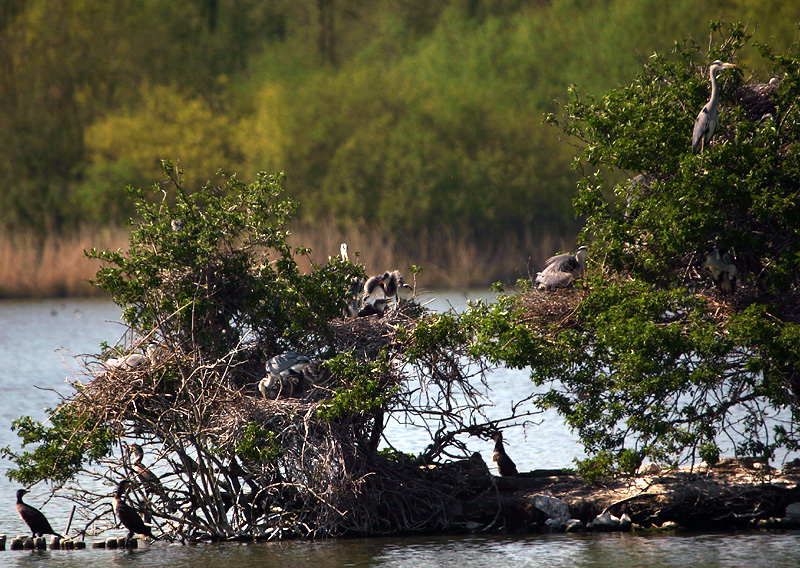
column 127, row 515
column 505, row 466
column 559, row 271
column 33, row 517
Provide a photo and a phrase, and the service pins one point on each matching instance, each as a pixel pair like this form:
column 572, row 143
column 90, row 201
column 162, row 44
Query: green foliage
column 436, row 103
column 209, row 266
column 363, row 394
column 649, row 361
column 64, row 444
column 258, row 444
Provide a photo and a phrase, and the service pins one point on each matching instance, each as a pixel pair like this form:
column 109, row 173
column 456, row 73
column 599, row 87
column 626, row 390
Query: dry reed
column 448, row 259
column 55, row 266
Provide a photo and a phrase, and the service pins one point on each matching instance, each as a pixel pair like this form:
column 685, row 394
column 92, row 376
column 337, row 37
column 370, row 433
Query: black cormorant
column 127, row 515
column 33, row 517
column 505, row 466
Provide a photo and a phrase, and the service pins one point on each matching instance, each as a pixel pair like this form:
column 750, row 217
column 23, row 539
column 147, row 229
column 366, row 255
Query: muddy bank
column 735, row 494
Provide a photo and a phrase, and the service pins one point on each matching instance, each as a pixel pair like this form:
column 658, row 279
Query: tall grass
column 55, row 266
column 447, row 259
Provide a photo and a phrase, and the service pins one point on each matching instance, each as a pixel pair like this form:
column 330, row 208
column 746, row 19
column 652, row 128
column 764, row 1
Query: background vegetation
column 409, row 120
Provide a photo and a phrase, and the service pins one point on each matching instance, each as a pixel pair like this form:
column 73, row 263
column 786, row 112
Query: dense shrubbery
column 433, row 104
column 211, row 291
column 652, row 361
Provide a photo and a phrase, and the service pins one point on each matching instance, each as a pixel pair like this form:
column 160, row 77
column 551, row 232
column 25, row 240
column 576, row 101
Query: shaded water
column 35, row 337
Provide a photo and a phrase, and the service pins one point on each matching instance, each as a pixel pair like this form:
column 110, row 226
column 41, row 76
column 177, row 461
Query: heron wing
column 701, row 127
column 549, row 278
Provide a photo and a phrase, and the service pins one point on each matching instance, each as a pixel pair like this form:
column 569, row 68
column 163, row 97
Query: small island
column 248, row 400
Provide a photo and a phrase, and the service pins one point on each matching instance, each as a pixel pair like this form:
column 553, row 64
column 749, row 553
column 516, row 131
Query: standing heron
column 33, row 517
column 561, row 270
column 127, row 515
column 708, row 119
column 505, row 466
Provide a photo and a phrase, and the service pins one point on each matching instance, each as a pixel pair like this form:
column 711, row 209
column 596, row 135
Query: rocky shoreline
column 732, row 495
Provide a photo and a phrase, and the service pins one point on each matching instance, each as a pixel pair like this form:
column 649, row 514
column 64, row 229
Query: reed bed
column 55, row 265
column 448, row 259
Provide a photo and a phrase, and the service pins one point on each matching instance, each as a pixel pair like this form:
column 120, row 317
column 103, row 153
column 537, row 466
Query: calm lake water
column 39, row 338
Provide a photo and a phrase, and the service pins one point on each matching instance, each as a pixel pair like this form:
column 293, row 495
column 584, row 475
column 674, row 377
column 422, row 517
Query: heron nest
column 232, row 463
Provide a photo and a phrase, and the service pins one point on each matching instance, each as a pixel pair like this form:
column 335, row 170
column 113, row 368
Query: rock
column 649, row 469
column 2, row 542
column 79, row 544
column 574, row 525
column 68, row 544
column 605, row 522
column 17, row 544
column 98, row 544
column 553, row 507
column 793, row 511
column 111, row 543
column 625, row 522
column 555, row 525
column 55, row 543
column 669, row 525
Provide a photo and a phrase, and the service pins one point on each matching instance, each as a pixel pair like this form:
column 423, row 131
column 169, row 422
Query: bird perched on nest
column 127, row 515
column 33, row 517
column 291, row 374
column 387, row 285
column 561, row 270
column 723, row 271
column 708, row 119
column 505, row 466
column 133, row 361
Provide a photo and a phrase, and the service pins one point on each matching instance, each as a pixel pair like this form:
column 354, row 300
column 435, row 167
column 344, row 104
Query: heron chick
column 723, row 271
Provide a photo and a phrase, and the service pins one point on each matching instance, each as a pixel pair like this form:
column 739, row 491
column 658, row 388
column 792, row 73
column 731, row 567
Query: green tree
column 652, row 359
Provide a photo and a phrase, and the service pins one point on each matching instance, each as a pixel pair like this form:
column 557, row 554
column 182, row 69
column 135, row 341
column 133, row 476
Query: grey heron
column 284, row 370
column 720, row 263
column 707, row 120
column 376, row 307
column 33, row 517
column 561, row 270
column 127, row 515
column 505, row 466
column 133, row 361
column 393, row 283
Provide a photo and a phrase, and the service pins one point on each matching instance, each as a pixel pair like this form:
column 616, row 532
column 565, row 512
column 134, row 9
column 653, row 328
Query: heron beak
column 728, row 65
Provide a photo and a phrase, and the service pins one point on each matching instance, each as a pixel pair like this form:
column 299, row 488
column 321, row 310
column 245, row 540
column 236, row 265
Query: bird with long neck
column 33, row 517
column 708, row 119
column 505, row 466
column 127, row 515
